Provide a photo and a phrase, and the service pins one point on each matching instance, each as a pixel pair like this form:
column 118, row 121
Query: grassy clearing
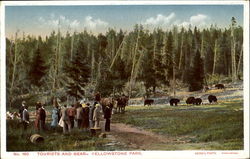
column 78, row 140
column 221, row 124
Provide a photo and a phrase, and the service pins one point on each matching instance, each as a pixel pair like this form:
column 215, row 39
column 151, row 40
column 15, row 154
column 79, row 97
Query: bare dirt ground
column 134, row 138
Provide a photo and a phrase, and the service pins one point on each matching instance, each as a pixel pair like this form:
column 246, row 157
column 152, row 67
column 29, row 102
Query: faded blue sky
column 41, row 20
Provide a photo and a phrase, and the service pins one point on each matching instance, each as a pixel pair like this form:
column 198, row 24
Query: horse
column 122, row 102
column 107, row 102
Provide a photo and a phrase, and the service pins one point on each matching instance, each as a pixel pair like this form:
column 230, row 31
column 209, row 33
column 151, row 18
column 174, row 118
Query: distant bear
column 197, row 101
column 212, row 98
column 174, row 101
column 148, row 102
column 220, row 86
column 190, row 100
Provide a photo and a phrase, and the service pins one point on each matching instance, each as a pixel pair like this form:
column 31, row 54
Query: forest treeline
column 80, row 63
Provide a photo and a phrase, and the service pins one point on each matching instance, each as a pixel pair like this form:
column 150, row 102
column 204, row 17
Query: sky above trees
column 42, row 20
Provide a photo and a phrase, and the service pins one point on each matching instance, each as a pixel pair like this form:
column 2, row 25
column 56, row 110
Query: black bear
column 190, row 100
column 197, row 101
column 212, row 98
column 148, row 102
column 220, row 86
column 174, row 101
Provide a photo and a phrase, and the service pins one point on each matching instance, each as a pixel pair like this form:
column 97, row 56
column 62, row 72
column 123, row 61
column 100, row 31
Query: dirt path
column 138, row 139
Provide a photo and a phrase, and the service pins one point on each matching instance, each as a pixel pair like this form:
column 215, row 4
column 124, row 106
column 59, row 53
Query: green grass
column 221, row 123
column 209, row 127
column 78, row 140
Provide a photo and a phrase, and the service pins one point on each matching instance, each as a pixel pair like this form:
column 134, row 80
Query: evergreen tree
column 38, row 69
column 159, row 66
column 196, row 73
column 78, row 72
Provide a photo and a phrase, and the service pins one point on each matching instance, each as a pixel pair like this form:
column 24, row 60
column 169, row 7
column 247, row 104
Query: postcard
column 124, row 79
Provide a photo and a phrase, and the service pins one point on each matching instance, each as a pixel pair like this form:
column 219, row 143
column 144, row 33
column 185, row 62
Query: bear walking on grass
column 219, row 86
column 190, row 100
column 197, row 101
column 148, row 102
column 212, row 98
column 174, row 101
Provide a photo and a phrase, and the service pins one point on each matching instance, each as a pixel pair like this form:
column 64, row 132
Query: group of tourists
column 81, row 115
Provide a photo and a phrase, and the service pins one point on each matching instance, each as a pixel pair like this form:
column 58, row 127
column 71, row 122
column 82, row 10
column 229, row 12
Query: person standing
column 107, row 116
column 79, row 116
column 65, row 119
column 42, row 118
column 97, row 115
column 59, row 113
column 85, row 123
column 71, row 113
column 37, row 120
column 91, row 113
column 21, row 110
column 55, row 119
column 26, row 118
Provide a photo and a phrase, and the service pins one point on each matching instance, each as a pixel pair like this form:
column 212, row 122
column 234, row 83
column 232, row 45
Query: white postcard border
column 145, row 154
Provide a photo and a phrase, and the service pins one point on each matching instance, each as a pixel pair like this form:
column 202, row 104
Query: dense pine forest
column 140, row 62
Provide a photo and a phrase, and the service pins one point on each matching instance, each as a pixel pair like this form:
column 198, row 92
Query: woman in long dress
column 37, row 120
column 97, row 116
column 55, row 113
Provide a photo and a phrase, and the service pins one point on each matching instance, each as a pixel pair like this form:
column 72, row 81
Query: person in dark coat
column 59, row 113
column 21, row 110
column 91, row 113
column 42, row 118
column 85, row 121
column 107, row 116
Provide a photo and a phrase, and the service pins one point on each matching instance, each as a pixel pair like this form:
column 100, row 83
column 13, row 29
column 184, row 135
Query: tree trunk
column 55, row 64
column 14, row 63
column 164, row 57
column 215, row 55
column 174, row 82
column 72, row 47
column 181, row 54
column 133, row 64
column 92, row 66
column 154, row 53
column 99, row 69
column 117, row 53
column 233, row 46
column 239, row 63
